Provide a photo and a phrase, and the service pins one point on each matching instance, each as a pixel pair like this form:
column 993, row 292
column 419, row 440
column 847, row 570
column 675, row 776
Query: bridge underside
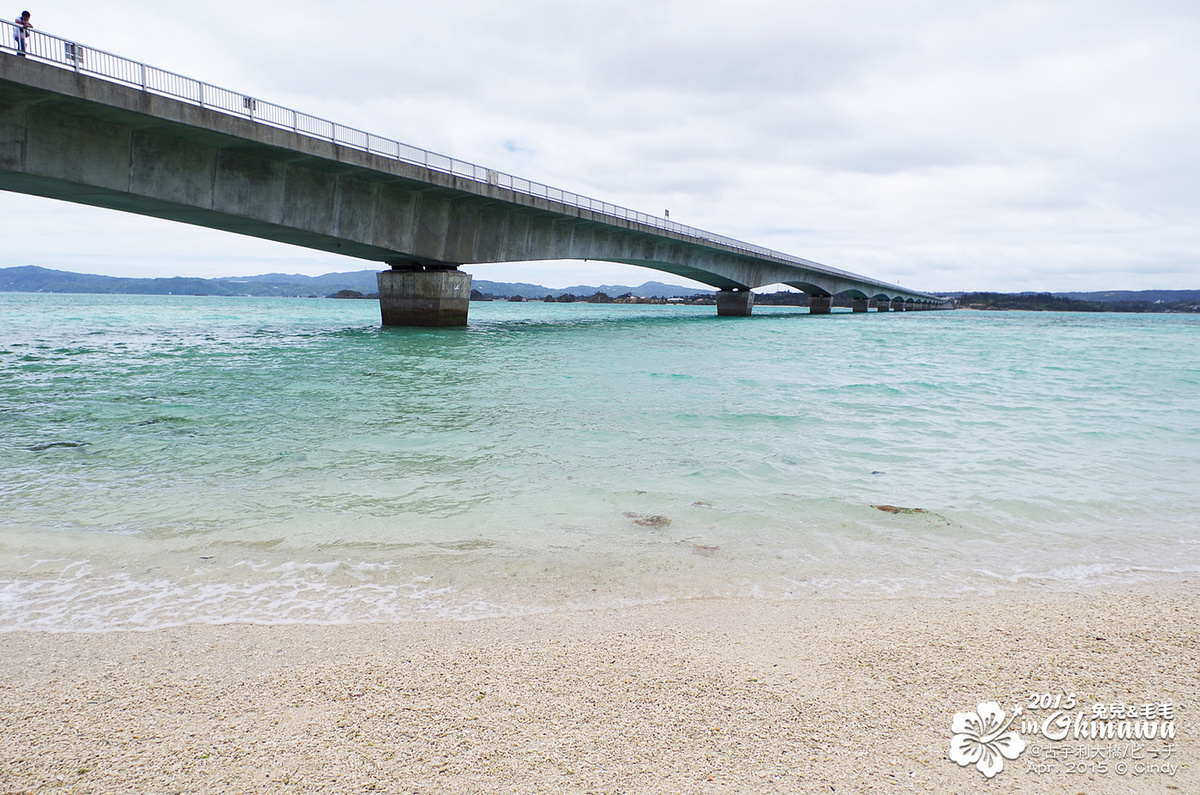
column 80, row 139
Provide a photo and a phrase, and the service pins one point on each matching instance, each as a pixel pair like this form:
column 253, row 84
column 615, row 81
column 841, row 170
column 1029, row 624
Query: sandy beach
column 696, row 696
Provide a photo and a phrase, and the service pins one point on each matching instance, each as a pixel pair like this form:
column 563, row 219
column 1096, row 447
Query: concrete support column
column 860, row 304
column 883, row 306
column 734, row 303
column 424, row 296
column 820, row 304
column 898, row 305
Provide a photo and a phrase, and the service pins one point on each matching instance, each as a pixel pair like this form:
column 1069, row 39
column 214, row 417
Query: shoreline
column 712, row 695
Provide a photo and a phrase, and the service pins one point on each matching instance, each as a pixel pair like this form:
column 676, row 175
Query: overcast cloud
column 1008, row 146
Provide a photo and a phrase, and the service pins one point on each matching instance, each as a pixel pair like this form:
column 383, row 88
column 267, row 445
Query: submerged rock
column 655, row 521
column 895, row 509
column 37, row 448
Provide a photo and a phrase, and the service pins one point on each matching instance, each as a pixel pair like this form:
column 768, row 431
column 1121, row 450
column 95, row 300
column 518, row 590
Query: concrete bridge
column 86, row 126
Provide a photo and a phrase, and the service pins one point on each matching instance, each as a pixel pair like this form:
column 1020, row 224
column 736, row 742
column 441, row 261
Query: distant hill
column 1109, row 296
column 32, row 279
column 362, row 281
column 1058, row 302
column 1153, row 296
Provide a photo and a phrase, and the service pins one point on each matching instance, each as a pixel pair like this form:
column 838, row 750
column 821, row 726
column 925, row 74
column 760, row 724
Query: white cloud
column 946, row 145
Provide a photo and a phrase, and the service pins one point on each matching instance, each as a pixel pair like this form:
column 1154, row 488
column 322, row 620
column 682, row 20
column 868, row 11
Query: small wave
column 1081, row 574
column 37, row 448
column 125, row 603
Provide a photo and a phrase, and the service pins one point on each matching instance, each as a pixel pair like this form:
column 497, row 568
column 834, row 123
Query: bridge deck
column 85, row 126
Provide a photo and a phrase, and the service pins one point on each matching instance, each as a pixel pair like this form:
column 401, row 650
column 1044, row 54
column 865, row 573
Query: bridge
column 86, row 126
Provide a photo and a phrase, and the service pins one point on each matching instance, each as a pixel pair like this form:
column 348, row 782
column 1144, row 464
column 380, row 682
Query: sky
column 945, row 146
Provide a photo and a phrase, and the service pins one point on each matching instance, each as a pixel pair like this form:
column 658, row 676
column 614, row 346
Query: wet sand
column 704, row 696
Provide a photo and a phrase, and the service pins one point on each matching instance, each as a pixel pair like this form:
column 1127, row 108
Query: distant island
column 362, row 284
column 1109, row 301
column 353, row 284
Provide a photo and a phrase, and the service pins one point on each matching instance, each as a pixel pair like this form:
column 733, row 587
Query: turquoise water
column 174, row 460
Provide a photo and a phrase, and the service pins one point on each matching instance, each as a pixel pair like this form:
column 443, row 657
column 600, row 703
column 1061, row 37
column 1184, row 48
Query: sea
column 173, row 460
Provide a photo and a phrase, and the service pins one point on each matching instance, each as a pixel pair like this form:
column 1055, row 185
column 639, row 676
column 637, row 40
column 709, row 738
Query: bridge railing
column 98, row 63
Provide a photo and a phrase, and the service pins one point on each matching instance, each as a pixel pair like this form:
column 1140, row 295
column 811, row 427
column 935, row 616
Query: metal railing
column 88, row 60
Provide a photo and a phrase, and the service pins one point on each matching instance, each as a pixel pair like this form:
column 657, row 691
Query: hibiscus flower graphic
column 982, row 738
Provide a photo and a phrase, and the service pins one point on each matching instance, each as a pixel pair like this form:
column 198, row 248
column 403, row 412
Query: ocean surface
column 173, row 460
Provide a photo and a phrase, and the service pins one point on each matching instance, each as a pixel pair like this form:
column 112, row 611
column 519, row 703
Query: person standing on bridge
column 21, row 32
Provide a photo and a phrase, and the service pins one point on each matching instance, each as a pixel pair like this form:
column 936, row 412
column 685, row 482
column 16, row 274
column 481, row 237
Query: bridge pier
column 883, row 306
column 820, row 304
column 860, row 304
column 898, row 305
column 734, row 303
column 416, row 295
